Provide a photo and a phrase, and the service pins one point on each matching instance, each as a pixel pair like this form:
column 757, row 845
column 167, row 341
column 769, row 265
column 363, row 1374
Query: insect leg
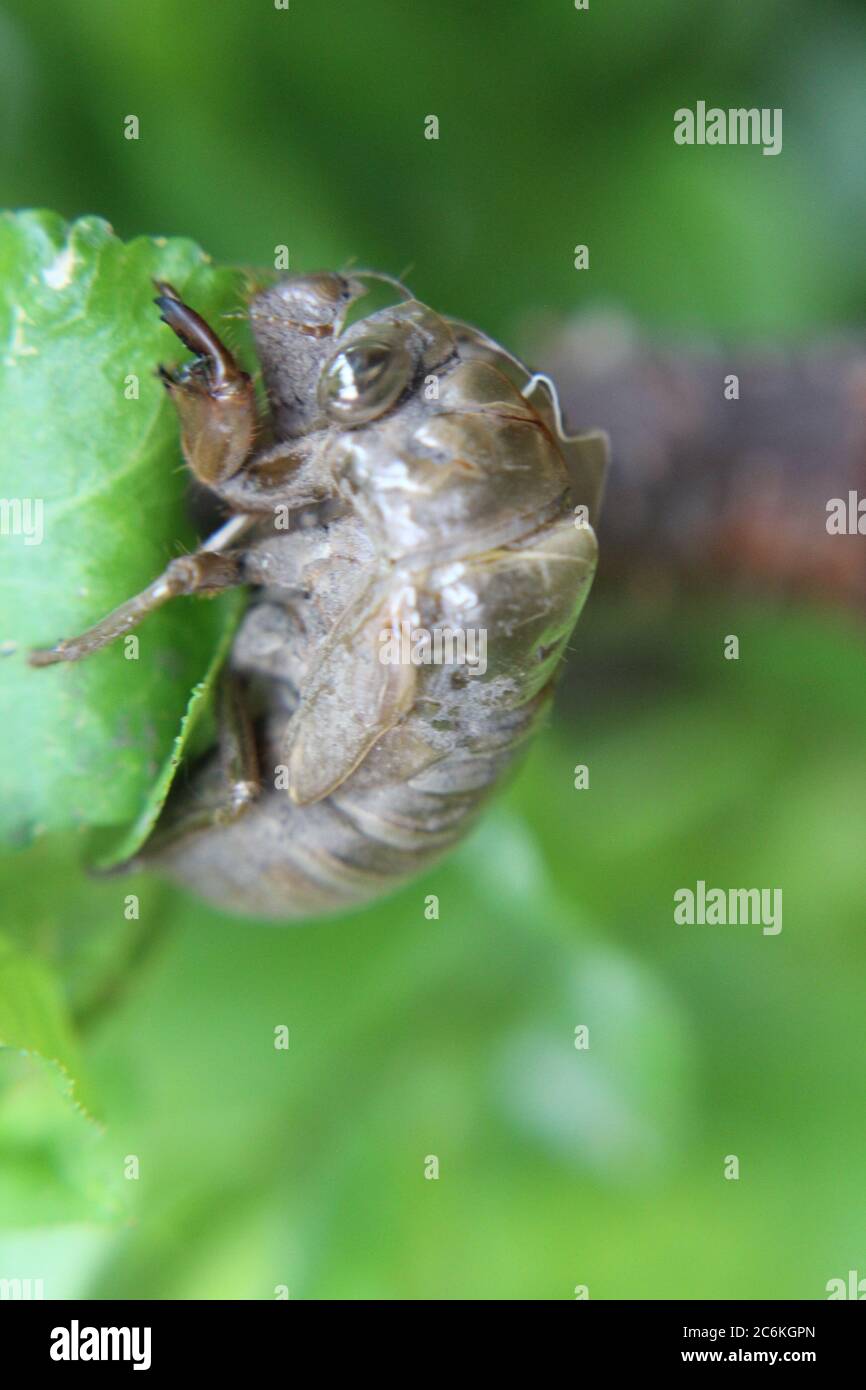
column 227, row 785
column 239, row 759
column 215, row 400
column 288, row 474
column 220, row 791
column 204, row 572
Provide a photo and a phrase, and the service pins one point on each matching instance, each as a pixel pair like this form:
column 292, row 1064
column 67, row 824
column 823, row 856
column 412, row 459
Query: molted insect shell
column 364, row 379
column 404, row 632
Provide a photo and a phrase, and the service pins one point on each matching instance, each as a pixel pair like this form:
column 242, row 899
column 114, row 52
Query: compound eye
column 364, row 379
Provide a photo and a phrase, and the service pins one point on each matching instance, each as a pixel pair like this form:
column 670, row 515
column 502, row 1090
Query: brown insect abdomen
column 284, row 861
column 419, row 788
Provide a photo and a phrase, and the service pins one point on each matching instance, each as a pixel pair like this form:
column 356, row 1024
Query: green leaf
column 79, row 924
column 200, row 702
column 33, row 1018
column 86, row 744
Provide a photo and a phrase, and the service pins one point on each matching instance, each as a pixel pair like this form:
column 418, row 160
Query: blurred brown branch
column 709, row 491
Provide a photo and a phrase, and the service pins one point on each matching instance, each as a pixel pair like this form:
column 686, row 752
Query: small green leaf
column 94, row 508
column 200, row 702
column 33, row 1018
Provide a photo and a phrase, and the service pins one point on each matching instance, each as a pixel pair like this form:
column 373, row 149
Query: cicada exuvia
column 416, row 530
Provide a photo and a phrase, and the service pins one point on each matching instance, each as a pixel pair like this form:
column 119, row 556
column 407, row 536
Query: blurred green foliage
column 305, row 127
column 411, row 1037
column 455, row 1037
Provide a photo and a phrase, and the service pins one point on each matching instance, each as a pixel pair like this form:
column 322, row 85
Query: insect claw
column 166, row 291
column 196, row 335
column 45, row 656
column 214, row 397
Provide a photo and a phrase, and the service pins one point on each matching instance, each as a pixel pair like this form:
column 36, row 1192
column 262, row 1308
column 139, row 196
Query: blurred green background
column 408, row 1037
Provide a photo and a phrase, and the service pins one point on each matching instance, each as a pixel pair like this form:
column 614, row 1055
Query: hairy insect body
column 411, row 510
